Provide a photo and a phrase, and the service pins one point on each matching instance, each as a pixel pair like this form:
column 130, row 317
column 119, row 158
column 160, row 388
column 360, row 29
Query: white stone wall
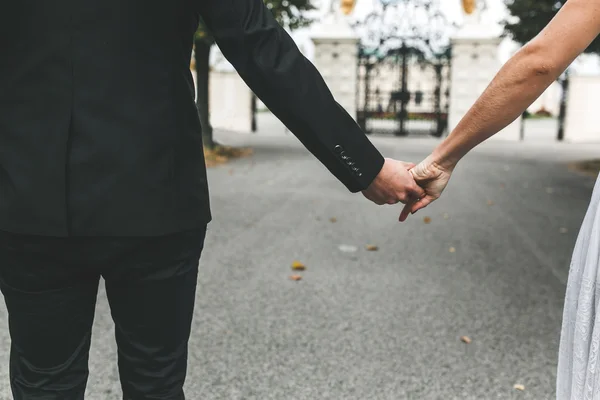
column 582, row 121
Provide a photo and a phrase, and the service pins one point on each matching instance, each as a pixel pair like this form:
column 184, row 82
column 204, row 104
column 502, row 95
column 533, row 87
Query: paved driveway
column 491, row 264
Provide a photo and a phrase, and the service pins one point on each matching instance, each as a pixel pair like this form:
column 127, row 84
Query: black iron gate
column 402, row 91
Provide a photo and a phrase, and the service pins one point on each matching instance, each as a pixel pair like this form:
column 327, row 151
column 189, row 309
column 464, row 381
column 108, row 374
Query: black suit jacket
column 99, row 133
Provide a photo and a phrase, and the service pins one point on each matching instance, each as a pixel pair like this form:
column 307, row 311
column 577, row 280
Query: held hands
column 416, row 186
column 394, row 184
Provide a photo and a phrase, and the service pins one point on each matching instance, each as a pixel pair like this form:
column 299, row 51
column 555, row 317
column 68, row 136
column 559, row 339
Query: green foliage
column 202, row 34
column 290, row 13
column 531, row 16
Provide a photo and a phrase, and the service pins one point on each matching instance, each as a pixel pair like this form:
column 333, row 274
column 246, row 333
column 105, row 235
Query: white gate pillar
column 336, row 58
column 475, row 62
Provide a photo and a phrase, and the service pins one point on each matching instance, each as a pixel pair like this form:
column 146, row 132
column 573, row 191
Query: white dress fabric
column 578, row 374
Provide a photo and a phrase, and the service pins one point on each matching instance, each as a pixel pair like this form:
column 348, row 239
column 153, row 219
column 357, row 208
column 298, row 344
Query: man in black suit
column 102, row 174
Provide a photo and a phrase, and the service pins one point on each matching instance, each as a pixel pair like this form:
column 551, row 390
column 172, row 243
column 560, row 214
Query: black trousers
column 50, row 286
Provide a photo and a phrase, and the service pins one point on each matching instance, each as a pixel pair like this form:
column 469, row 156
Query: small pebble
column 348, row 248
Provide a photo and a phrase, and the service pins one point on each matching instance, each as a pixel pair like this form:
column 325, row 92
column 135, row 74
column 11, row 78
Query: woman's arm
column 524, row 78
column 518, row 83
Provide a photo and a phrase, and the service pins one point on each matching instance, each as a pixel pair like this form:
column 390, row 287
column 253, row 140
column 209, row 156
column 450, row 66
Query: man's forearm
column 271, row 64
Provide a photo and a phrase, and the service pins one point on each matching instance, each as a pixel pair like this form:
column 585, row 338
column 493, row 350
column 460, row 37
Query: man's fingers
column 411, row 194
column 416, row 192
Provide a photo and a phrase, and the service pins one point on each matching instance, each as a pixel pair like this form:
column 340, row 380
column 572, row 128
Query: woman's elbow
column 538, row 61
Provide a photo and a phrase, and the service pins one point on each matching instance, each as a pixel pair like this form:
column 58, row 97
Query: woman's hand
column 433, row 178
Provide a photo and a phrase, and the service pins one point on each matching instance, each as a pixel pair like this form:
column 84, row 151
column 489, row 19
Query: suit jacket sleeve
column 271, row 64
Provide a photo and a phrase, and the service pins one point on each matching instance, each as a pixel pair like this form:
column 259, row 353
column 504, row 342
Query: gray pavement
column 375, row 325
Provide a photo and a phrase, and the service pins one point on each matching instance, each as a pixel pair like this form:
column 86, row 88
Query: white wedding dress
column 578, row 374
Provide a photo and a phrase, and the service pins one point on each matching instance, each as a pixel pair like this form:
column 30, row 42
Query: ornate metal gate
column 403, row 82
column 403, row 93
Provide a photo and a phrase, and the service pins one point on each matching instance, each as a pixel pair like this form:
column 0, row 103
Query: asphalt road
column 491, row 265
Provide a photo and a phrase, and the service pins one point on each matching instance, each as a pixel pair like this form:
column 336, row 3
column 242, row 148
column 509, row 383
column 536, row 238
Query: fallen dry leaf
column 490, row 203
column 589, row 167
column 372, row 247
column 295, row 277
column 427, row 220
column 520, row 387
column 298, row 266
column 222, row 154
column 452, row 250
column 465, row 339
column 333, row 220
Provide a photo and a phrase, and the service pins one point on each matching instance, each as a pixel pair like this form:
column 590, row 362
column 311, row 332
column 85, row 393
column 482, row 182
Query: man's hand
column 394, row 184
column 433, row 178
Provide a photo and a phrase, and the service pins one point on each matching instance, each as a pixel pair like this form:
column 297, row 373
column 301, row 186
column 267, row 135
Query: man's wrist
column 376, row 177
column 378, row 164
